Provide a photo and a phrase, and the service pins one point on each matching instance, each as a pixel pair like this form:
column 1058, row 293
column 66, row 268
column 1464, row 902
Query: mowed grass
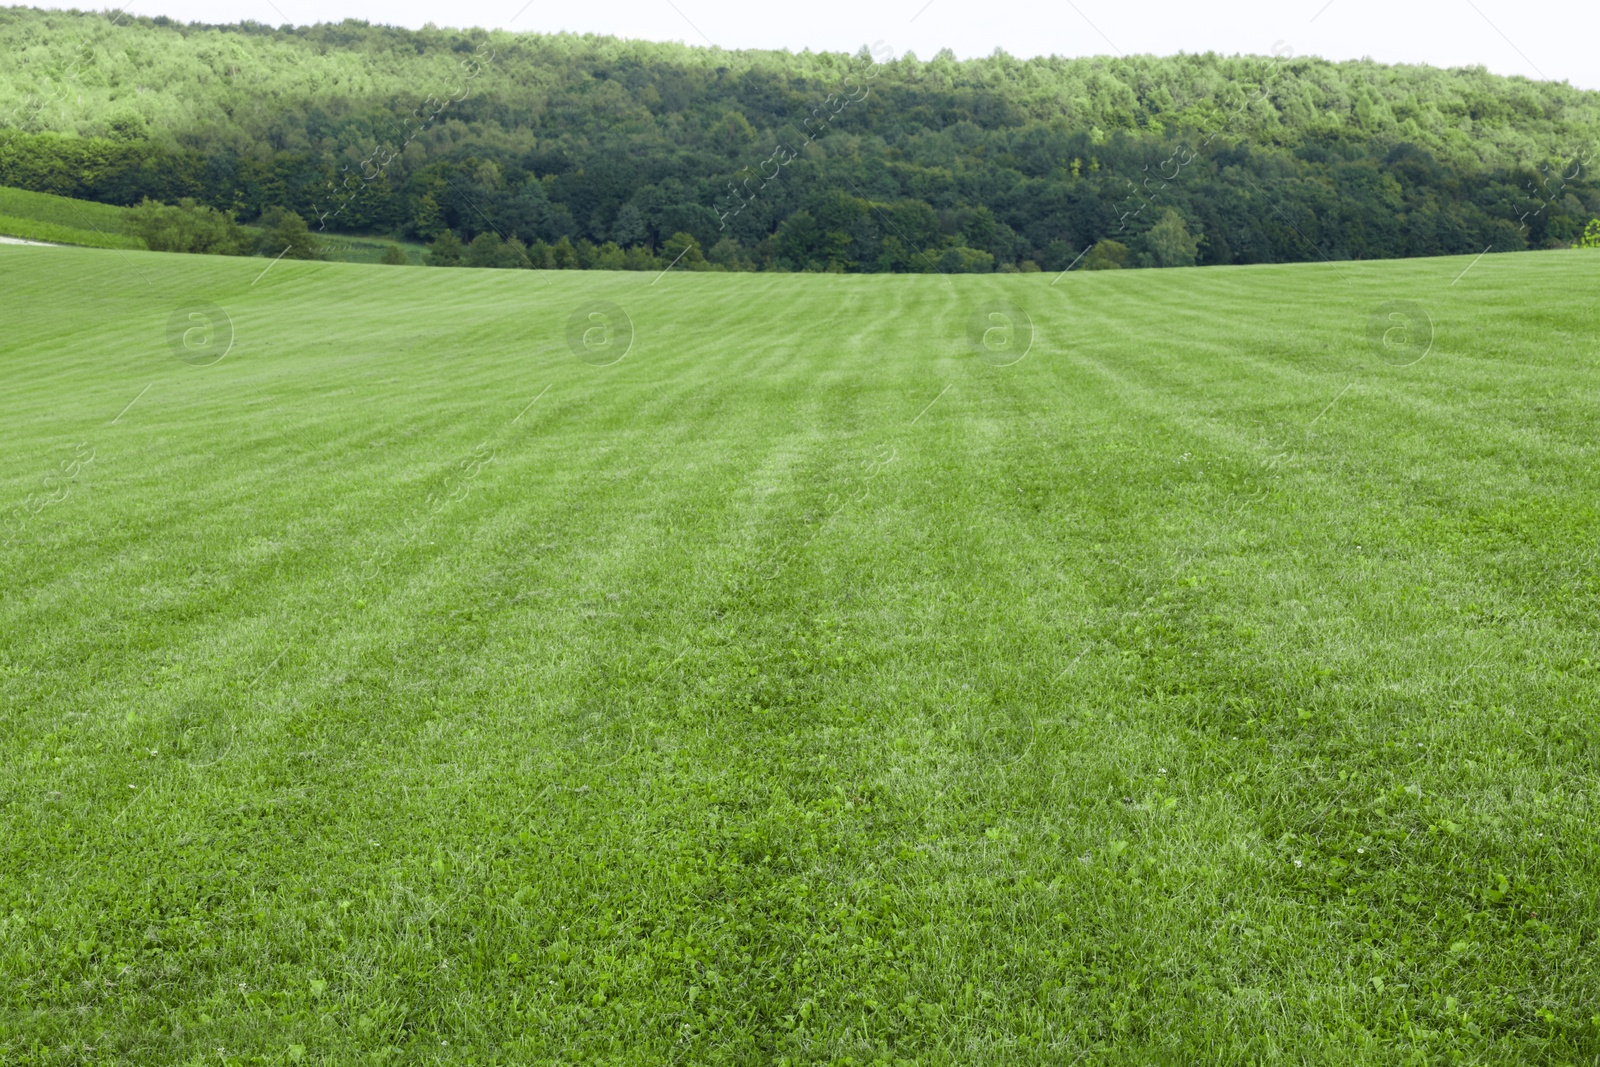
column 64, row 211
column 63, row 220
column 802, row 687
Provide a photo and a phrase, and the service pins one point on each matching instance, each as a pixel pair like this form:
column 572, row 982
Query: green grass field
column 349, row 248
column 63, row 220
column 64, row 211
column 419, row 682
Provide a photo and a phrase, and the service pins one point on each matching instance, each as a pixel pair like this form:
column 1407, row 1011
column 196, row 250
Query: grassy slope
column 33, row 230
column 63, row 220
column 44, row 217
column 64, row 211
column 1129, row 700
column 352, row 248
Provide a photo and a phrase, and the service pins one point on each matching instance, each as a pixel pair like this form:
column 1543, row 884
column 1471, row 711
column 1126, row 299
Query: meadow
column 1128, row 667
column 64, row 220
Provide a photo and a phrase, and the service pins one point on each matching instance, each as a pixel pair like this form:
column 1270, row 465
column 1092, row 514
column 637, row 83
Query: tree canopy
column 819, row 161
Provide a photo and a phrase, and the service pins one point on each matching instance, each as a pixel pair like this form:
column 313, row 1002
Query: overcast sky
column 1554, row 40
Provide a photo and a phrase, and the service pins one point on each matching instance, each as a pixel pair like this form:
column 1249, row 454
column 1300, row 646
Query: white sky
column 1555, row 40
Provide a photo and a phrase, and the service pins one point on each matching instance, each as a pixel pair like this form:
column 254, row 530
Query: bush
column 539, row 256
column 1058, row 256
column 284, row 234
column 683, row 249
column 446, row 251
column 395, row 256
column 488, row 250
column 189, row 227
column 563, row 256
column 726, row 254
column 640, row 258
column 957, row 260
column 1591, row 235
column 1106, row 255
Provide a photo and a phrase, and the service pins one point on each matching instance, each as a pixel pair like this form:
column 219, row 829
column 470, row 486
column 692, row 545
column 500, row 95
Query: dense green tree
column 563, row 256
column 963, row 260
column 446, row 251
column 640, row 258
column 488, row 249
column 539, row 257
column 684, row 251
column 628, row 229
column 285, row 234
column 1169, row 243
column 726, row 254
column 190, row 227
column 800, row 241
column 485, row 250
column 1105, row 255
column 565, row 138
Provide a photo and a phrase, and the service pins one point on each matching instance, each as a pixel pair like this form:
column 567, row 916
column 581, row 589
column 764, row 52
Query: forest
column 572, row 151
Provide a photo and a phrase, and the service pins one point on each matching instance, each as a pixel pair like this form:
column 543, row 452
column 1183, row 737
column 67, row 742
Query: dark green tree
column 285, row 235
column 628, row 230
column 189, row 227
column 446, row 251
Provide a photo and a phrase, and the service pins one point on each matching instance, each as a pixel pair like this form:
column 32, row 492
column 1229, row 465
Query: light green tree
column 684, row 251
column 1106, row 255
column 446, row 251
column 1170, row 243
column 1591, row 235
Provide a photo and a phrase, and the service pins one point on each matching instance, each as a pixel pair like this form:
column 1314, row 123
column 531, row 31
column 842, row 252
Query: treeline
column 567, row 151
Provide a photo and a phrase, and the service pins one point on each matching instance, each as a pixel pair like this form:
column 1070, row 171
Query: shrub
column 284, row 234
column 726, row 254
column 446, row 251
column 189, row 227
column 964, row 260
column 684, row 250
column 1106, row 255
column 640, row 258
column 488, row 250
